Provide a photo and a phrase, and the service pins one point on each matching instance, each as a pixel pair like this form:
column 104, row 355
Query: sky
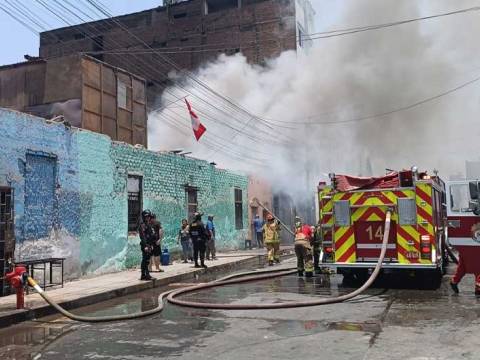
column 17, row 41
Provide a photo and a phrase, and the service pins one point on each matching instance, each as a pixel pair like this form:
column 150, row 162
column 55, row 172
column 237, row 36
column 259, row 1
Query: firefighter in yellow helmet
column 271, row 239
column 303, row 248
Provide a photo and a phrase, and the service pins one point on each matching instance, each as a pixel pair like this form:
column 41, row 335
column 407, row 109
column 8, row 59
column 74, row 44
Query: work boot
column 454, row 287
column 204, row 266
column 270, row 262
column 197, row 266
column 308, row 274
column 185, row 261
column 148, row 278
column 277, row 261
column 300, row 272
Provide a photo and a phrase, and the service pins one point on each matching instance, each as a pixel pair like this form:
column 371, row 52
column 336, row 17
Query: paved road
column 384, row 323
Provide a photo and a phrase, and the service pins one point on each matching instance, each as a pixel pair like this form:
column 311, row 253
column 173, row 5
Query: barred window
column 192, row 201
column 134, row 188
column 238, row 209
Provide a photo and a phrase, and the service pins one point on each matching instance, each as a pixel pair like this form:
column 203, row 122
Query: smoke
column 342, row 79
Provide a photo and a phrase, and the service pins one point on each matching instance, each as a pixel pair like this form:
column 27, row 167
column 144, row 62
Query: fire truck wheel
column 354, row 277
column 429, row 279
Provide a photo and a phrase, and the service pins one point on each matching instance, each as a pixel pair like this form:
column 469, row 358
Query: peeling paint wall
column 27, row 142
column 71, row 197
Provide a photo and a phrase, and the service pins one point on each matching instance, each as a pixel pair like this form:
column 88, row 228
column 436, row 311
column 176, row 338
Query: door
column 369, row 238
column 40, row 199
column 463, row 224
column 7, row 240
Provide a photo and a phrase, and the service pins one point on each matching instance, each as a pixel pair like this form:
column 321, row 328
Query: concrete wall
column 86, row 174
column 261, row 189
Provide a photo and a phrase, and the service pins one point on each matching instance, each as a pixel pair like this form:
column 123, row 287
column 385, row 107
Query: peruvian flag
column 198, row 128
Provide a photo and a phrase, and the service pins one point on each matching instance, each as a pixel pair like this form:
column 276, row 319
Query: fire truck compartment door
column 369, row 237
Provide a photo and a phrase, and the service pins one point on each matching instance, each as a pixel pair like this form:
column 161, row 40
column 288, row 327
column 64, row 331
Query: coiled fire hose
column 243, row 277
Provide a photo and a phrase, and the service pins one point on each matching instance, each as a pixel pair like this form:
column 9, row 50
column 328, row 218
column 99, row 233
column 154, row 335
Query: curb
column 18, row 316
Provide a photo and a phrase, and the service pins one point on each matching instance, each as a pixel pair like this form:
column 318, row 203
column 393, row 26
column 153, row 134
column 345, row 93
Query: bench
column 43, row 265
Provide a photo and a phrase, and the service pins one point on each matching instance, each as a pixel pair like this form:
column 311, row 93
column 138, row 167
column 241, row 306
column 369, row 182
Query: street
column 382, row 323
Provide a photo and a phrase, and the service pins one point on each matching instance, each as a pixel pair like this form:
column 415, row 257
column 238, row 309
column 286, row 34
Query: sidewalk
column 88, row 291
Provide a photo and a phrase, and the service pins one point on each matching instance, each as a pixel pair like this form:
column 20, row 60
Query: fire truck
column 463, row 231
column 352, row 213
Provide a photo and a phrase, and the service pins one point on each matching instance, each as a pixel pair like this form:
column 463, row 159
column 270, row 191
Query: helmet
column 197, row 216
column 145, row 214
column 269, row 217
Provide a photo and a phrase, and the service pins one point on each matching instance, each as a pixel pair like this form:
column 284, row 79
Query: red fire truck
column 463, row 210
column 352, row 215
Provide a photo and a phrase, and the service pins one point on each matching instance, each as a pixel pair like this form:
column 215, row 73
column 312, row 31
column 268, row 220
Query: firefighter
column 317, row 246
column 199, row 237
column 461, row 270
column 148, row 238
column 303, row 248
column 271, row 239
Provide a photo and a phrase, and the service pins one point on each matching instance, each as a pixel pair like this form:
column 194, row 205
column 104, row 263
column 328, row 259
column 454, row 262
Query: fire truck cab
column 352, row 216
column 463, row 211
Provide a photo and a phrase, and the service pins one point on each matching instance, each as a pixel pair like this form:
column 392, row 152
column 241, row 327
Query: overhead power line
column 353, row 30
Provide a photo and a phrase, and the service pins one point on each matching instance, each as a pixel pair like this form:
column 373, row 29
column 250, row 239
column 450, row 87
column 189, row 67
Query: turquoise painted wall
column 90, row 222
column 164, row 179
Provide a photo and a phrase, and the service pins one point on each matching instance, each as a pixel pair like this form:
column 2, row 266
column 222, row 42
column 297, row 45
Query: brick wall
column 260, row 29
column 87, row 219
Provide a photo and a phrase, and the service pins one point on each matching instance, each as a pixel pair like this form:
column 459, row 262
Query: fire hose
column 171, row 295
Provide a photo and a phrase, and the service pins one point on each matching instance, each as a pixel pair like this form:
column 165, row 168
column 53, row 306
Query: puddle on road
column 180, row 327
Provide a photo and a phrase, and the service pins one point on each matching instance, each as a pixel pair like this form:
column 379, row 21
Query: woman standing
column 157, row 247
column 184, row 240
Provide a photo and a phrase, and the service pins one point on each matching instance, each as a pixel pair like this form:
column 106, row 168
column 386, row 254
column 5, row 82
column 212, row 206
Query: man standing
column 303, row 248
column 211, row 238
column 258, row 228
column 199, row 237
column 147, row 241
column 271, row 239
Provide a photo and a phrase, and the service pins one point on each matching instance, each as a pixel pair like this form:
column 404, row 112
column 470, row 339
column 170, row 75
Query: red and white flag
column 197, row 126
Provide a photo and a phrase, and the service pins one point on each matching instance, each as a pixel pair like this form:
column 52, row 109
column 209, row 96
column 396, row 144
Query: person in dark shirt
column 147, row 239
column 258, row 227
column 199, row 237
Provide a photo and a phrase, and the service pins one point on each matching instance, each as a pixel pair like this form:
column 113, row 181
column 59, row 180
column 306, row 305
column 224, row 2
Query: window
column 192, row 201
column 238, row 209
column 459, row 198
column 124, row 95
column 212, row 6
column 41, row 208
column 134, row 188
column 300, row 37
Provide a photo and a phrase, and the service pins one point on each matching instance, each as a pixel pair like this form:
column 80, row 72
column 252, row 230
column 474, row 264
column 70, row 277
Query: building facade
column 185, row 35
column 78, row 194
column 88, row 93
column 260, row 189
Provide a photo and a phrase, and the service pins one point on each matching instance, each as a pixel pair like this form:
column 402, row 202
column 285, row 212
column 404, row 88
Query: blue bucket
column 165, row 257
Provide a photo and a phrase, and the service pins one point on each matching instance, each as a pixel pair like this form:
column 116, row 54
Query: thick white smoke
column 340, row 79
